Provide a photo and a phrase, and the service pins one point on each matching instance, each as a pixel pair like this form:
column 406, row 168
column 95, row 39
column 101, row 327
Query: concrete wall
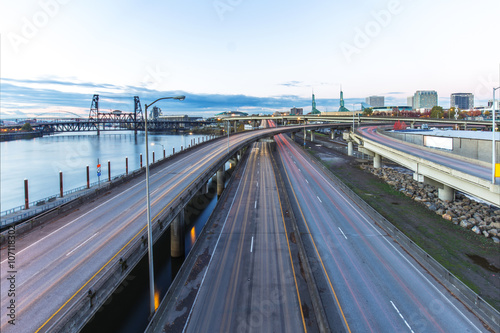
column 471, row 148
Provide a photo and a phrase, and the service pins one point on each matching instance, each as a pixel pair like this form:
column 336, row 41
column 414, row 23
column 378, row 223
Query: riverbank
column 20, row 135
column 473, row 258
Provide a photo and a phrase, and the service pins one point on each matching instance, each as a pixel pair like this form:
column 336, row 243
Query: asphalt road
column 59, row 262
column 376, row 286
column 250, row 283
column 456, row 163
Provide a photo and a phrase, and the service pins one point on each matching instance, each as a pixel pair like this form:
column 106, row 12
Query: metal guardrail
column 41, row 205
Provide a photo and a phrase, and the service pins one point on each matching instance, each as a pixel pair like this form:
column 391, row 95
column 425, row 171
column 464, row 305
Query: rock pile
column 478, row 217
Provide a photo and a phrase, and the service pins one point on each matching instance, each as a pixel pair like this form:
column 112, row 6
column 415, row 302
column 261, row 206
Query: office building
column 425, row 99
column 463, row 101
column 409, row 101
column 375, row 101
column 296, row 111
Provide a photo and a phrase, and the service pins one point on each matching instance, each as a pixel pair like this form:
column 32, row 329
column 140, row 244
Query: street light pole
column 493, row 150
column 152, row 307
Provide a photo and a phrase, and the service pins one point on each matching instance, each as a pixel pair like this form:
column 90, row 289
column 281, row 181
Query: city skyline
column 241, row 55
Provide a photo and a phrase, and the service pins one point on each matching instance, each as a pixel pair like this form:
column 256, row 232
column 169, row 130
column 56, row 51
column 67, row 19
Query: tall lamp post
column 493, row 152
column 152, row 308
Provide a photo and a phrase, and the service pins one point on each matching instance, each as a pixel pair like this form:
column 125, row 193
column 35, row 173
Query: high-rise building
column 463, row 101
column 425, row 99
column 375, row 101
column 296, row 111
column 409, row 101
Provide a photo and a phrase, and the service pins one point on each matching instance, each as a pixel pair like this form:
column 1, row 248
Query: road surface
column 361, row 271
column 56, row 264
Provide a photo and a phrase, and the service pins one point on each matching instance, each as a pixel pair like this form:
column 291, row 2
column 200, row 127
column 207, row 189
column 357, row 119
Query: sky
column 254, row 56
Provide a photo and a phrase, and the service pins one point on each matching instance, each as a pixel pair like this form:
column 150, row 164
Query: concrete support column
column 312, row 136
column 220, row 181
column 177, row 236
column 235, row 126
column 446, row 193
column 305, row 134
column 293, row 136
column 332, row 133
column 350, row 148
column 412, row 125
column 376, row 161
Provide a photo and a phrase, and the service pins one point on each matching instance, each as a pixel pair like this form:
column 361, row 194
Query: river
column 40, row 159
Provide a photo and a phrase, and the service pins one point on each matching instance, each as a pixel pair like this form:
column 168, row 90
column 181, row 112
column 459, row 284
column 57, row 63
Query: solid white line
column 300, row 171
column 251, row 245
column 343, row 233
column 319, row 199
column 255, row 204
column 306, row 180
column 399, row 313
column 67, row 224
column 76, row 248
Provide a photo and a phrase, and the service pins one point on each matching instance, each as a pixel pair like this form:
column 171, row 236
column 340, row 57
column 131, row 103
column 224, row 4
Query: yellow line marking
column 317, row 252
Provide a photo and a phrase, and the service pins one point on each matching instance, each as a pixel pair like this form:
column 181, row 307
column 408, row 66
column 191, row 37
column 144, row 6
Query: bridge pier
column 312, row 136
column 177, row 236
column 446, row 193
column 305, row 135
column 377, row 161
column 350, row 148
column 220, row 181
column 293, row 136
column 332, row 133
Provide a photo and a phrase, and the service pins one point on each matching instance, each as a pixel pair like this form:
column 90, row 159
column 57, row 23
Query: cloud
column 32, row 97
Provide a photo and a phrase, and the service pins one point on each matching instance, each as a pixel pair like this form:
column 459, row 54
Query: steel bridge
column 111, row 121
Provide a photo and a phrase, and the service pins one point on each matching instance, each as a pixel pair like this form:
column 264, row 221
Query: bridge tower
column 94, row 112
column 94, row 108
column 138, row 117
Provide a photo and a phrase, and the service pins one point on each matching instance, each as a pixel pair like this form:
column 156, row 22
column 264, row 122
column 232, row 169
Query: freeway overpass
column 79, row 257
column 446, row 171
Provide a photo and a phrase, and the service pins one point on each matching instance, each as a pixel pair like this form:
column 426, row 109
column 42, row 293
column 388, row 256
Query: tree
column 437, row 112
column 27, row 127
column 367, row 112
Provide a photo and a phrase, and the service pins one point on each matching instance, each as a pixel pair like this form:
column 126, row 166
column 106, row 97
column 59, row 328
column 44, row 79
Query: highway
column 456, row 163
column 56, row 264
column 361, row 272
column 250, row 283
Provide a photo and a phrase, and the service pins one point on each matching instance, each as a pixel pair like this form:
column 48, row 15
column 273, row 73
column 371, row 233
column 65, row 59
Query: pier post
column 141, row 161
column 220, row 181
column 126, row 165
column 163, row 153
column 153, row 156
column 109, row 170
column 88, row 177
column 61, row 183
column 446, row 193
column 177, row 236
column 173, row 151
column 376, row 161
column 26, row 194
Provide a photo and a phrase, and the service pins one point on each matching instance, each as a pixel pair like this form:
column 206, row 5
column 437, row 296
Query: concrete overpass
column 446, row 171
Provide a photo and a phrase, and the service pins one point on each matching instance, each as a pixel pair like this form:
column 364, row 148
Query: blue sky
column 241, row 54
